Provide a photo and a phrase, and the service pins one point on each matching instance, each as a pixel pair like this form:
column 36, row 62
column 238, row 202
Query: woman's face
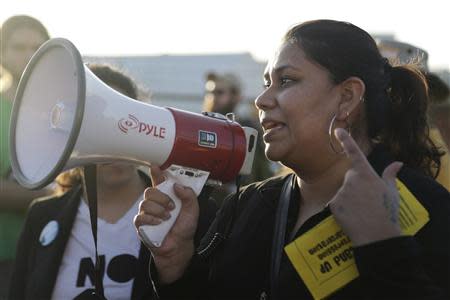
column 296, row 108
column 115, row 174
column 118, row 173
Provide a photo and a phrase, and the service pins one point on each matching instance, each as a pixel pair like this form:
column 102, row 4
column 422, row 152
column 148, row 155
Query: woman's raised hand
column 366, row 206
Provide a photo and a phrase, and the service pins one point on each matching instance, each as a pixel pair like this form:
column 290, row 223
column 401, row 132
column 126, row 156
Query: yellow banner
column 323, row 256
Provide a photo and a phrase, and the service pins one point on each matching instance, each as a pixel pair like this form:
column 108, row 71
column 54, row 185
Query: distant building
column 406, row 52
column 178, row 80
column 383, row 36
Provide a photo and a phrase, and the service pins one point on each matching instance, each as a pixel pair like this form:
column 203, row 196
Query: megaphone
column 64, row 116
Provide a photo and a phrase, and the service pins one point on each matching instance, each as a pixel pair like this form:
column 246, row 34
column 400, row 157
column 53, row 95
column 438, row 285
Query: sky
column 154, row 27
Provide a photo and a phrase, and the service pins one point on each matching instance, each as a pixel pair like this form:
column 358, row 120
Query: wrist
column 172, row 267
column 361, row 239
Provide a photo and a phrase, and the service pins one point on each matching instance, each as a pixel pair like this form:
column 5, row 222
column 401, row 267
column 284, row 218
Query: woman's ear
column 352, row 95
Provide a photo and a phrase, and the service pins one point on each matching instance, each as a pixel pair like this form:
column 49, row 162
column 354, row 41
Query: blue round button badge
column 49, row 233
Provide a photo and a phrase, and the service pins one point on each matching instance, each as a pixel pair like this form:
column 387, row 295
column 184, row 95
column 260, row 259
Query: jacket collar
column 379, row 158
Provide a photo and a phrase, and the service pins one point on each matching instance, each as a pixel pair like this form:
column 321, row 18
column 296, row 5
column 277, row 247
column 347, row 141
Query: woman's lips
column 271, row 128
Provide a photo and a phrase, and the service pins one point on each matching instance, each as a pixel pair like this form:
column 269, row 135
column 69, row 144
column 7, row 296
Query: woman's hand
column 366, row 206
column 177, row 249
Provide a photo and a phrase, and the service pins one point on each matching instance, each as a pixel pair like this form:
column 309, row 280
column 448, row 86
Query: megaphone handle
column 154, row 234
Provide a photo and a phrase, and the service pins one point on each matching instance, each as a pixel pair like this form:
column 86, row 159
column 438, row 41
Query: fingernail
column 339, row 133
column 178, row 186
column 171, row 205
column 166, row 216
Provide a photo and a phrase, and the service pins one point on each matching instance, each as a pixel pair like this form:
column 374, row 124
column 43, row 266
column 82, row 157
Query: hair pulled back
column 396, row 97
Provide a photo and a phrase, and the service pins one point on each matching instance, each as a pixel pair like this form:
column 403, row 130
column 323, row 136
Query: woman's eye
column 285, row 81
column 282, row 82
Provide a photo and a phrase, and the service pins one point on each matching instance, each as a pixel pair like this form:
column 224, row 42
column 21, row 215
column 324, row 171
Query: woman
column 55, row 256
column 326, row 77
column 20, row 37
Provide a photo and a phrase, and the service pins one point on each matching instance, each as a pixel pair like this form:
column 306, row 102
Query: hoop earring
column 330, row 133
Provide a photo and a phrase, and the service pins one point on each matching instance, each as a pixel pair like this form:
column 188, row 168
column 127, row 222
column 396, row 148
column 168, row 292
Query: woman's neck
column 319, row 189
column 316, row 191
column 115, row 201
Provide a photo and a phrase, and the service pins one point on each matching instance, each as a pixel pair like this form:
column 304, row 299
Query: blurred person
column 20, row 37
column 354, row 130
column 440, row 123
column 401, row 53
column 55, row 255
column 223, row 94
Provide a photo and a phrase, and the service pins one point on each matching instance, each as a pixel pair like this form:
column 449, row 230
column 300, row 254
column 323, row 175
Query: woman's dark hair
column 112, row 77
column 17, row 22
column 396, row 97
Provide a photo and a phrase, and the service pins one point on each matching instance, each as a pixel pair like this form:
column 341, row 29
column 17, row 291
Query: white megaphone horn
column 64, row 116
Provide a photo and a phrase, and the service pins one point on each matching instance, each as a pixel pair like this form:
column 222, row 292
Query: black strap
column 279, row 234
column 90, row 187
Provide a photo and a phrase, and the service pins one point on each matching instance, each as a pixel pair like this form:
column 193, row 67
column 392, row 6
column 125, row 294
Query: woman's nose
column 265, row 100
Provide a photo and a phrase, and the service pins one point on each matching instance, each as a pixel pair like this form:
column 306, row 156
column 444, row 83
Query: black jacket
column 36, row 266
column 234, row 259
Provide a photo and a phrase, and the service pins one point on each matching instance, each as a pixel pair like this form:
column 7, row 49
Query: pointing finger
column 390, row 173
column 351, row 149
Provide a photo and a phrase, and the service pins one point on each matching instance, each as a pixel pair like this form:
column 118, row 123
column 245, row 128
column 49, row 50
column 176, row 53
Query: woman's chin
column 273, row 154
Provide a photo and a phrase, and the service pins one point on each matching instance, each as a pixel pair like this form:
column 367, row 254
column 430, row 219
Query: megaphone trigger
column 154, row 235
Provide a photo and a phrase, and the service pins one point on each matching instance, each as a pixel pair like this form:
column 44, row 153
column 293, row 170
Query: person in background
column 439, row 92
column 360, row 218
column 20, row 37
column 223, row 94
column 55, row 256
column 440, row 116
